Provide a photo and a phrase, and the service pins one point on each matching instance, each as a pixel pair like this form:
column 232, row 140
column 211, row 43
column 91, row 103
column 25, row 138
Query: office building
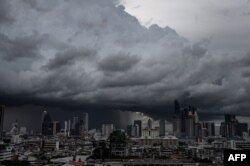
column 84, row 120
column 210, row 128
column 162, row 127
column 177, row 126
column 107, row 129
column 56, row 127
column 232, row 127
column 75, row 129
column 189, row 126
column 47, row 125
column 139, row 124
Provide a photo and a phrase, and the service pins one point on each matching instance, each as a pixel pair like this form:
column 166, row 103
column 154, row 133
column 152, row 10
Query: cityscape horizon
column 124, row 83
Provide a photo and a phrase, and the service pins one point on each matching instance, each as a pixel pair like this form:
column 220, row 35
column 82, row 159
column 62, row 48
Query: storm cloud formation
column 92, row 54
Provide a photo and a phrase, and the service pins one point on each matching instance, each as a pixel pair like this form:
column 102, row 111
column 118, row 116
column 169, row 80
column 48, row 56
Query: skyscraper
column 47, row 125
column 139, row 123
column 107, row 129
column 177, row 126
column 1, row 120
column 56, row 127
column 129, row 130
column 84, row 120
column 210, row 128
column 75, row 129
column 232, row 127
column 189, row 126
column 162, row 127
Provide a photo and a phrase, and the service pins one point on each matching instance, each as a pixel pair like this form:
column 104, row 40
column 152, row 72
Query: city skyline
column 81, row 56
column 74, row 121
column 124, row 82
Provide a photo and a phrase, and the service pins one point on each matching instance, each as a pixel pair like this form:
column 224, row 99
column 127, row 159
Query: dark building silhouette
column 240, row 128
column 232, row 127
column 188, row 118
column 47, row 124
column 75, row 129
column 229, row 118
column 56, row 127
column 184, row 120
column 1, row 120
column 162, row 127
column 204, row 129
column 210, row 128
column 129, row 130
column 83, row 124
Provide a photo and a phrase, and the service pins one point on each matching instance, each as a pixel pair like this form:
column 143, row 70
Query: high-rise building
column 198, row 130
column 133, row 130
column 177, row 126
column 1, row 120
column 204, row 129
column 188, row 118
column 162, row 127
column 67, row 128
column 217, row 129
column 75, row 129
column 84, row 121
column 47, row 125
column 139, row 123
column 210, row 128
column 107, row 129
column 56, row 127
column 189, row 126
column 232, row 127
column 241, row 128
column 129, row 130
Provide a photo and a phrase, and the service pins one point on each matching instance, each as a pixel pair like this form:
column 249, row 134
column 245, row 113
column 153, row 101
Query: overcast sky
column 226, row 22
column 94, row 55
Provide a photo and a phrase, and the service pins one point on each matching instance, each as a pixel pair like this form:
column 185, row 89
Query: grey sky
column 226, row 22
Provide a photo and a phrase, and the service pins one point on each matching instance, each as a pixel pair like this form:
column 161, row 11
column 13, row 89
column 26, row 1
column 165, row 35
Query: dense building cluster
column 185, row 140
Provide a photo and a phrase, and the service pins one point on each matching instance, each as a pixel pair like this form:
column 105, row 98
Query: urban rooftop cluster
column 185, row 140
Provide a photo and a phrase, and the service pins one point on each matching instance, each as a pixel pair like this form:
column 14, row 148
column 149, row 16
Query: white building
column 107, row 129
column 23, row 130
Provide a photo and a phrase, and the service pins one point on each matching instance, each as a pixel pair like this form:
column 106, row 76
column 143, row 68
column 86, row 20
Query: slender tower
column 47, row 125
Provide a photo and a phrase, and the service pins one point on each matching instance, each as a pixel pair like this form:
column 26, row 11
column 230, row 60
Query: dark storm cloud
column 117, row 63
column 5, row 16
column 68, row 57
column 19, row 47
column 94, row 55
